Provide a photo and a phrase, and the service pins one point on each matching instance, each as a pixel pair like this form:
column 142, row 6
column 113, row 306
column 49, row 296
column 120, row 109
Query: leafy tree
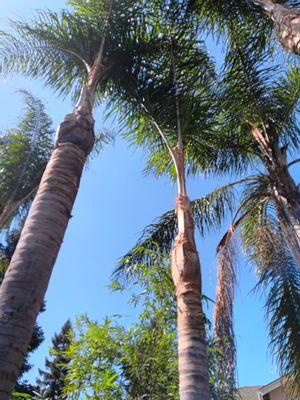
column 81, row 51
column 52, row 381
column 24, row 153
column 109, row 360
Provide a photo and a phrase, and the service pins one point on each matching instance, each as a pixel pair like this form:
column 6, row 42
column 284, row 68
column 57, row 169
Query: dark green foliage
column 24, row 153
column 110, row 361
column 52, row 381
column 61, row 47
column 6, row 253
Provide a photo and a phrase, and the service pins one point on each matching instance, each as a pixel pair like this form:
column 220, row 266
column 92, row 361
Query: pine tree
column 52, row 383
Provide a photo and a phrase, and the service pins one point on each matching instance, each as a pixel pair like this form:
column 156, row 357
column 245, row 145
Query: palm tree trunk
column 186, row 273
column 287, row 24
column 287, row 200
column 26, row 280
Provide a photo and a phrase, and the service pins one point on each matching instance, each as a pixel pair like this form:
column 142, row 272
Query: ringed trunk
column 26, row 280
column 192, row 354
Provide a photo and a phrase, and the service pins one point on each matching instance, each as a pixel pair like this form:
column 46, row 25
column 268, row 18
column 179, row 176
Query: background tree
column 24, row 153
column 260, row 129
column 52, row 381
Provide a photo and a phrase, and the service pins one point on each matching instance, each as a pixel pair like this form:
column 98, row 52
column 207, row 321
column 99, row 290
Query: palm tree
column 166, row 98
column 24, row 153
column 259, row 119
column 257, row 129
column 287, row 23
column 82, row 51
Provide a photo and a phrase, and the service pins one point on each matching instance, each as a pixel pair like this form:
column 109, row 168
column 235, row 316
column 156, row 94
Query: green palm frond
column 285, row 109
column 147, row 93
column 61, row 47
column 254, row 91
column 157, row 238
column 280, row 278
column 52, row 46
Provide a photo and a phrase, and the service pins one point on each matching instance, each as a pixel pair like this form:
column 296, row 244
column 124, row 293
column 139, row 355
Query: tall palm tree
column 257, row 129
column 24, row 153
column 166, row 99
column 79, row 51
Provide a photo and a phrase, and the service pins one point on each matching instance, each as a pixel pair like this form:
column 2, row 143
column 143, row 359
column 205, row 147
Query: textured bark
column 193, row 359
column 26, row 280
column 287, row 24
column 287, row 200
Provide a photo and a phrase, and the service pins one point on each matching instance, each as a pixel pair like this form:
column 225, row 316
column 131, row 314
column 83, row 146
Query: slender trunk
column 192, row 354
column 287, row 24
column 287, row 200
column 26, row 280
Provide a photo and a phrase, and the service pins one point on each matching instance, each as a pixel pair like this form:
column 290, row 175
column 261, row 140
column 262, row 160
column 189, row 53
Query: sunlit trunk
column 186, row 273
column 287, row 24
column 26, row 280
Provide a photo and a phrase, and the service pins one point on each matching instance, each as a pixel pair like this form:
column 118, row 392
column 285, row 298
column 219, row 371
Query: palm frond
column 223, row 322
column 61, row 47
column 157, row 238
column 280, row 278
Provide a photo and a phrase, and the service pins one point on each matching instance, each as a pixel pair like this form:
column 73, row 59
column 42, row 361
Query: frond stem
column 293, row 162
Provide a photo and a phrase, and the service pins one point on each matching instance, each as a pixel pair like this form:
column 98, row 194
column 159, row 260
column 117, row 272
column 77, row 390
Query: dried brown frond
column 223, row 320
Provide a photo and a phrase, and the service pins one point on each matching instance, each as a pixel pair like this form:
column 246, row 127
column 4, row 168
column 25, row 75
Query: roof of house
column 249, row 392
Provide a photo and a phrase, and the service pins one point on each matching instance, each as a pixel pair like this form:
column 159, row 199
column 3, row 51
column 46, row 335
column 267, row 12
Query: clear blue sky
column 114, row 203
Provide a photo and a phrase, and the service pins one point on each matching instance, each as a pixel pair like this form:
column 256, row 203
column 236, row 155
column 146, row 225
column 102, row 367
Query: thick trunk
column 193, row 359
column 287, row 23
column 287, row 199
column 26, row 280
